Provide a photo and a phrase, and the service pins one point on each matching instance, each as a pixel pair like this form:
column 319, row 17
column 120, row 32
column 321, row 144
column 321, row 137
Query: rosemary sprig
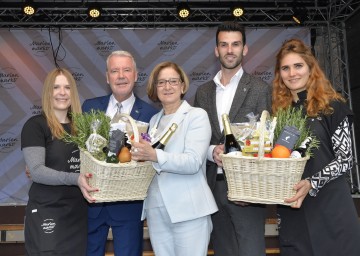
column 295, row 117
column 82, row 124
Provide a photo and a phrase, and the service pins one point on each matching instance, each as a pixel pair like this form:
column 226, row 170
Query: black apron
column 328, row 223
column 56, row 221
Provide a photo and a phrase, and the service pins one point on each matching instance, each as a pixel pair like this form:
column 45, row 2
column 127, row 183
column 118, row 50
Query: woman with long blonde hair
column 56, row 213
column 323, row 219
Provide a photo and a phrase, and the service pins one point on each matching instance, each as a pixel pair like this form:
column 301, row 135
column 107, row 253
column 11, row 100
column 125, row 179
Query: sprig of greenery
column 83, row 127
column 295, row 117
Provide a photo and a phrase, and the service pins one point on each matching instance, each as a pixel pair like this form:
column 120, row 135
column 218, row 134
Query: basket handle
column 133, row 125
column 264, row 116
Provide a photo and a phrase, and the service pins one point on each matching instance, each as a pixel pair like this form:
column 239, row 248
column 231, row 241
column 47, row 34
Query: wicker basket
column 260, row 179
column 118, row 182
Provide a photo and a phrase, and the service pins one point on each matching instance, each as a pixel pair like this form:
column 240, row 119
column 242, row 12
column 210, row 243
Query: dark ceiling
column 157, row 14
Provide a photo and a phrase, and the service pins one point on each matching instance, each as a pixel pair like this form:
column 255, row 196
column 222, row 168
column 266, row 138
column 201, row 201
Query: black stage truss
column 163, row 14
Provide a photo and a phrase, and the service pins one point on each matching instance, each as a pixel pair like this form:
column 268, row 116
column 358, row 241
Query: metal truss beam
column 341, row 10
column 337, row 69
column 155, row 17
column 160, row 14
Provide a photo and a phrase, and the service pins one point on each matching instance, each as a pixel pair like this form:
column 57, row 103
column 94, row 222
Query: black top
column 327, row 222
column 56, row 216
column 324, row 127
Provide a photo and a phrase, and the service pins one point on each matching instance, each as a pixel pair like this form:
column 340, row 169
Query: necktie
column 117, row 116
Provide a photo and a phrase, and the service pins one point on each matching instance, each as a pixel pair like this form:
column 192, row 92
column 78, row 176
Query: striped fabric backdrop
column 27, row 55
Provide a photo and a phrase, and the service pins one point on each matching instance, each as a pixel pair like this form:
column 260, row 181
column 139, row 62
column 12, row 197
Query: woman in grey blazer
column 179, row 201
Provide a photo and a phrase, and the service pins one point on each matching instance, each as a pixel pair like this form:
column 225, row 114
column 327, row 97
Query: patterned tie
column 117, row 116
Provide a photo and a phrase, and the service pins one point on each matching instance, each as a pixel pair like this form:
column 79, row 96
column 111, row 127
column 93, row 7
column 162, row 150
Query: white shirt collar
column 126, row 105
column 234, row 80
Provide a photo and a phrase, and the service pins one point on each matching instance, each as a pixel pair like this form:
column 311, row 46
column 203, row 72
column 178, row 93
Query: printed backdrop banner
column 26, row 56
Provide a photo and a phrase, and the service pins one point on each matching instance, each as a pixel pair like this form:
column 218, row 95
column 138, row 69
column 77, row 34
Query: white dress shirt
column 224, row 98
column 126, row 105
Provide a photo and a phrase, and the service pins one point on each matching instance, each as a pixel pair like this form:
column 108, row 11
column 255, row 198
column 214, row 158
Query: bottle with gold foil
column 161, row 143
column 230, row 143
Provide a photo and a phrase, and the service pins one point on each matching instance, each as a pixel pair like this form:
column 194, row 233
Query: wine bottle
column 161, row 143
column 230, row 143
column 301, row 150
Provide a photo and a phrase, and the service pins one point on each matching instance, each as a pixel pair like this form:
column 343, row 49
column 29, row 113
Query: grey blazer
column 252, row 95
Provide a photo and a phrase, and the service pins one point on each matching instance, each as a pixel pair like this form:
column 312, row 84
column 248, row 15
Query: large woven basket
column 118, row 182
column 260, row 179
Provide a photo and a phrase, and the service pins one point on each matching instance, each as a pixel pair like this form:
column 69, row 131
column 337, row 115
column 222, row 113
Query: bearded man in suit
column 238, row 227
column 124, row 218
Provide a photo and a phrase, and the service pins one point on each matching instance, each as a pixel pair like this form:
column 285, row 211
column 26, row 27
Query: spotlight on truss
column 237, row 11
column 183, row 10
column 299, row 15
column 28, row 8
column 94, row 12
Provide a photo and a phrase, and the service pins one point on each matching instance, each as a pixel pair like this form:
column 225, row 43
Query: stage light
column 237, row 11
column 299, row 15
column 183, row 11
column 94, row 12
column 29, row 8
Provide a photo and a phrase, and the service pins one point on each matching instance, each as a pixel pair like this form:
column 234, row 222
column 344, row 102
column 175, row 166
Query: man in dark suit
column 124, row 218
column 238, row 227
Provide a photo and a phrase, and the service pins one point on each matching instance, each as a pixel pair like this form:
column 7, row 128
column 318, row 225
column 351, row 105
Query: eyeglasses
column 171, row 81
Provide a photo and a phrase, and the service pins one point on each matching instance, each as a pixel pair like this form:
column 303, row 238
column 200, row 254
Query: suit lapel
column 239, row 96
column 104, row 102
column 180, row 114
column 213, row 111
column 136, row 109
column 178, row 117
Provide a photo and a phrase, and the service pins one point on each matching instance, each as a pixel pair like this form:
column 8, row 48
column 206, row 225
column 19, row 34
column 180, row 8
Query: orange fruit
column 280, row 151
column 124, row 155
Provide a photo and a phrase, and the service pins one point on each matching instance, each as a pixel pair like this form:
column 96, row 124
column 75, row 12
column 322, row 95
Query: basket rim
column 133, row 125
column 239, row 156
column 105, row 164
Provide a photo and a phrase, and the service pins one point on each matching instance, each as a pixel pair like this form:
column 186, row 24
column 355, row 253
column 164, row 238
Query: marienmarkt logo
column 40, row 47
column 200, row 76
column 77, row 74
column 168, row 46
column 263, row 73
column 142, row 78
column 8, row 142
column 36, row 108
column 8, row 78
column 48, row 226
column 104, row 46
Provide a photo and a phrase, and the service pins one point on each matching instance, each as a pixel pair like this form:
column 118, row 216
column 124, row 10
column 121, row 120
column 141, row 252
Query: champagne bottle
column 160, row 144
column 301, row 150
column 230, row 143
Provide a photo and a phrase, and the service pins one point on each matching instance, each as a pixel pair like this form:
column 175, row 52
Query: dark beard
column 234, row 65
